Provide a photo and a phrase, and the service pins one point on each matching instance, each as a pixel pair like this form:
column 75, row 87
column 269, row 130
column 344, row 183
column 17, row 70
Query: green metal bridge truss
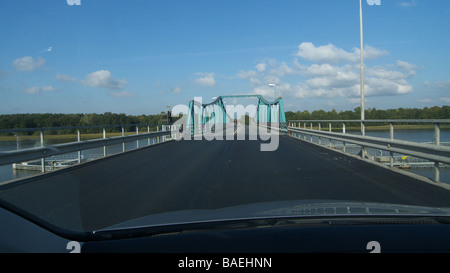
column 203, row 116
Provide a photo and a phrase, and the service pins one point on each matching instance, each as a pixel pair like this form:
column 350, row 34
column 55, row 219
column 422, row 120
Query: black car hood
column 279, row 209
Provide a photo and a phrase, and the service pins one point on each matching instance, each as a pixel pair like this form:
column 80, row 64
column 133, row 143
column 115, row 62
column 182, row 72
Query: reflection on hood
column 305, row 208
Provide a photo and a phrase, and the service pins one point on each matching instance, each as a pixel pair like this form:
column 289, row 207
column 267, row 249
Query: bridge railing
column 434, row 152
column 46, row 151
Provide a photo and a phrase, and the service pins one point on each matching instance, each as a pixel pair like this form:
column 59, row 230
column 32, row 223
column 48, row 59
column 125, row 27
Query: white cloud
column 408, row 4
column 410, row 68
column 384, row 73
column 444, row 84
column 176, row 90
column 344, row 81
column 65, row 78
column 255, row 81
column 332, row 54
column 371, row 53
column 333, row 73
column 28, row 63
column 283, row 70
column 103, row 79
column 324, row 54
column 383, row 86
column 271, row 78
column 37, row 90
column 332, row 76
column 445, row 99
column 425, row 100
column 281, row 90
column 246, row 74
column 48, row 88
column 355, row 100
column 205, row 79
column 32, row 90
column 320, row 70
column 122, row 94
column 261, row 67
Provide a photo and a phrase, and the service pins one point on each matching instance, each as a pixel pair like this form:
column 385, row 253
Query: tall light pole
column 362, row 69
column 274, row 92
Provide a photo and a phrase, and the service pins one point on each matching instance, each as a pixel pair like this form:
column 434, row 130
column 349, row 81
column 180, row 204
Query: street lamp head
column 274, row 92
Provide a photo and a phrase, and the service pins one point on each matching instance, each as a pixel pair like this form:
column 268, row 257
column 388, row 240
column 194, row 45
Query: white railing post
column 363, row 133
column 363, row 128
column 320, row 139
column 391, row 130
column 391, row 136
column 137, row 133
column 437, row 134
column 79, row 140
column 329, row 129
column 148, row 131
column 42, row 159
column 437, row 141
column 104, row 137
column 343, row 131
column 123, row 143
column 437, row 176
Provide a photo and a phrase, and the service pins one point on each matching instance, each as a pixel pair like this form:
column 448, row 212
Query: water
column 422, row 136
column 412, row 135
column 7, row 173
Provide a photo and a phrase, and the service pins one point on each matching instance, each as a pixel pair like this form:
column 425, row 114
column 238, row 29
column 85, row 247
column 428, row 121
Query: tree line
column 435, row 112
column 15, row 121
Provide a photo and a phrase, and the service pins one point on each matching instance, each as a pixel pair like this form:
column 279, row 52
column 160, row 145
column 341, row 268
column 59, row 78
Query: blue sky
column 137, row 57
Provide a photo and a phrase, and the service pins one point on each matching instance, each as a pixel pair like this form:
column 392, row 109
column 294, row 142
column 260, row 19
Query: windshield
column 133, row 113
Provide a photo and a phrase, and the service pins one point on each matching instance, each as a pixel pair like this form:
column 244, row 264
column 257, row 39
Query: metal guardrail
column 376, row 121
column 22, row 155
column 18, row 130
column 432, row 152
column 10, row 157
column 436, row 122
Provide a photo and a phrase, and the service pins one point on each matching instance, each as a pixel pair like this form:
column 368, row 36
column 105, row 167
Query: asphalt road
column 205, row 175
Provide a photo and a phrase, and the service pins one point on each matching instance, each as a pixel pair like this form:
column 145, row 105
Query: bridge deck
column 206, row 175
